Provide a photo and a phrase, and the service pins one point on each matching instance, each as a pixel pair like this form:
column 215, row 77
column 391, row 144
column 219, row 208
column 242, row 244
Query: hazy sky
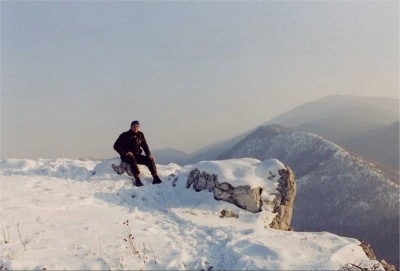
column 75, row 74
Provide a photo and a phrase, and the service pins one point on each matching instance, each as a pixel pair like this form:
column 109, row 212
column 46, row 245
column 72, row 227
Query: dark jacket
column 131, row 142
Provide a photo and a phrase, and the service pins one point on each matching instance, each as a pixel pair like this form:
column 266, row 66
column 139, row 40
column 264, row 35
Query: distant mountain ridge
column 339, row 191
column 349, row 121
column 170, row 155
column 359, row 124
column 378, row 110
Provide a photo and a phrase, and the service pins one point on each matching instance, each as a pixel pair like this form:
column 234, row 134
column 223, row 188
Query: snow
column 75, row 214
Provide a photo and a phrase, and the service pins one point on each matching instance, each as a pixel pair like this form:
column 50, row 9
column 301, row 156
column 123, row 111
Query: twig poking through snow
column 152, row 251
column 20, row 236
column 194, row 207
column 129, row 240
column 6, row 236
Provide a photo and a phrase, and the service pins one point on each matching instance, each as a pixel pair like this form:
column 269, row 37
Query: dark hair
column 135, row 122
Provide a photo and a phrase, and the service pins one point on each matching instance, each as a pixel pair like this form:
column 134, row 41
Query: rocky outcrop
column 202, row 180
column 368, row 250
column 387, row 266
column 250, row 199
column 242, row 196
column 371, row 255
column 284, row 200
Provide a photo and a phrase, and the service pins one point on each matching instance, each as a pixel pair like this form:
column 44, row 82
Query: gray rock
column 242, row 196
column 284, row 201
column 228, row 213
column 250, row 198
column 202, row 180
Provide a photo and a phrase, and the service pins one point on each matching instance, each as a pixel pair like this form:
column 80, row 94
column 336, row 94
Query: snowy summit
column 80, row 215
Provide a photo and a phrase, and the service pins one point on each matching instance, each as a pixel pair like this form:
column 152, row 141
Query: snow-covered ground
column 73, row 214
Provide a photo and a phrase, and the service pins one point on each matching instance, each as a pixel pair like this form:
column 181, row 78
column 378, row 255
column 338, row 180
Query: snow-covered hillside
column 73, row 214
column 339, row 191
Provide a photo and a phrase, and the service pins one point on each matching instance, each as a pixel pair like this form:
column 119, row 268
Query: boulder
column 242, row 196
column 252, row 199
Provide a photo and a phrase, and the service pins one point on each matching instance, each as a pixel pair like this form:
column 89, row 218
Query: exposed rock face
column 202, row 180
column 248, row 198
column 368, row 250
column 284, row 200
column 371, row 255
column 387, row 266
column 242, row 196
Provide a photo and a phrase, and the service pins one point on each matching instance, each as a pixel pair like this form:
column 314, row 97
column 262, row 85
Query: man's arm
column 145, row 146
column 118, row 145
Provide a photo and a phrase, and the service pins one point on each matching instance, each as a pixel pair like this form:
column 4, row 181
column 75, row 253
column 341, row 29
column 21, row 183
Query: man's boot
column 156, row 179
column 129, row 170
column 120, row 170
column 137, row 180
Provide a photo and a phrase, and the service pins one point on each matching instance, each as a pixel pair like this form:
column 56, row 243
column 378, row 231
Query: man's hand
column 129, row 153
column 151, row 158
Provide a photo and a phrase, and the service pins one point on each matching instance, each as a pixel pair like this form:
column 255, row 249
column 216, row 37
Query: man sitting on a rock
column 129, row 145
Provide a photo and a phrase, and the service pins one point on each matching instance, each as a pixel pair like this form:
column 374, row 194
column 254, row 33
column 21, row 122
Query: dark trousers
column 133, row 161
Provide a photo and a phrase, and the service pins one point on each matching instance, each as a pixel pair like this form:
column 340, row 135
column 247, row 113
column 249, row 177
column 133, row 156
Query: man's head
column 135, row 126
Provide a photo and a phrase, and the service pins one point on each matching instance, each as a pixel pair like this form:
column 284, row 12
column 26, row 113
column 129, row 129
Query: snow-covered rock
column 275, row 194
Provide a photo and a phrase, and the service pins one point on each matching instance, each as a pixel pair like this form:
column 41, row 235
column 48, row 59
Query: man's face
column 135, row 128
